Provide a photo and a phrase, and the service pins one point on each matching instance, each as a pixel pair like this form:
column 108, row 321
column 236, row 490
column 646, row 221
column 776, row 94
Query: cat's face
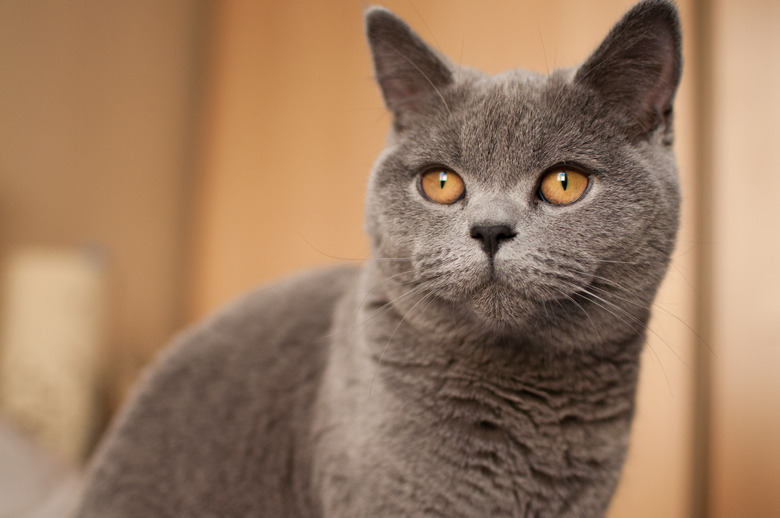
column 525, row 202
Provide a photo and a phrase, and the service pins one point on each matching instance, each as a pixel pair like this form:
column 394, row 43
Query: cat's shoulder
column 245, row 376
column 272, row 341
column 273, row 319
column 305, row 297
column 273, row 336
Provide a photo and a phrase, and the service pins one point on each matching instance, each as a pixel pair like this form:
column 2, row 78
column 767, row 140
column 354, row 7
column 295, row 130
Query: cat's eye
column 562, row 186
column 442, row 186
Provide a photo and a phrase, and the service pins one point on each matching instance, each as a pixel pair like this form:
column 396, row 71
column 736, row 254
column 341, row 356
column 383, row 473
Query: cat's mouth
column 510, row 291
column 514, row 298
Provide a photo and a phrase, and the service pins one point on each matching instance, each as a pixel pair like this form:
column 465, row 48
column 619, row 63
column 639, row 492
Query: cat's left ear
column 410, row 73
column 636, row 69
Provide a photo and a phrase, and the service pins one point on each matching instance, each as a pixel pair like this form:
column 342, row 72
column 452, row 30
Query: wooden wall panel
column 295, row 122
column 96, row 103
column 746, row 253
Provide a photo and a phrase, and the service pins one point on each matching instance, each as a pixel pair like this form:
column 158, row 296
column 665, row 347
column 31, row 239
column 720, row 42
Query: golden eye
column 442, row 186
column 562, row 186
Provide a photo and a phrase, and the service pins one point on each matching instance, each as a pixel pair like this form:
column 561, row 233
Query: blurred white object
column 32, row 483
column 53, row 312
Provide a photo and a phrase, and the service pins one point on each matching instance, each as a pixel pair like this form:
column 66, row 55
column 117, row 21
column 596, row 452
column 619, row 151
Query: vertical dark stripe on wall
column 203, row 44
column 701, row 66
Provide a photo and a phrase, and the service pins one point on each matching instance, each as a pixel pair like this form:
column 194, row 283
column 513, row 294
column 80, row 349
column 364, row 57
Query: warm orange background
column 211, row 146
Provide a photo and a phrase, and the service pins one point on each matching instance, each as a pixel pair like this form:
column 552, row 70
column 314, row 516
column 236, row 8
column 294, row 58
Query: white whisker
column 384, row 349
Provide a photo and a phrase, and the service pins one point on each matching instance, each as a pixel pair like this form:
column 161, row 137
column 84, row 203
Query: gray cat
column 484, row 361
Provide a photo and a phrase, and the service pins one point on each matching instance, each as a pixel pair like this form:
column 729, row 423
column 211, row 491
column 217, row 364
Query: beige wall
column 96, row 104
column 745, row 325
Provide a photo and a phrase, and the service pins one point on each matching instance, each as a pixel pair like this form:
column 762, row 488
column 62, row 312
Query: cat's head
column 524, row 202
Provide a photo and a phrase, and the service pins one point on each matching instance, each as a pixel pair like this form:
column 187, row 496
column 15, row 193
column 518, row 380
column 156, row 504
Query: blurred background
column 159, row 158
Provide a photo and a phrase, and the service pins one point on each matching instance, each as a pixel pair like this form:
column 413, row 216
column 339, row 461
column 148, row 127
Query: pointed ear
column 637, row 68
column 408, row 71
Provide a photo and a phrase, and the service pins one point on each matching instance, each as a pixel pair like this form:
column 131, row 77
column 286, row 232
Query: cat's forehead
column 516, row 98
column 527, row 119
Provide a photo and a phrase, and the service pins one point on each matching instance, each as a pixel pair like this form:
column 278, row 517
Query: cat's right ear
column 410, row 73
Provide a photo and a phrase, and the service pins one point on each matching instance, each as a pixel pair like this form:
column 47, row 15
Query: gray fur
column 434, row 380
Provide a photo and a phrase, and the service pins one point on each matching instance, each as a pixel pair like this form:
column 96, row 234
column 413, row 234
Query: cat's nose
column 491, row 236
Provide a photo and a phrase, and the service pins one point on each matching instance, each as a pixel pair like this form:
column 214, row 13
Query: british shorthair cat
column 484, row 360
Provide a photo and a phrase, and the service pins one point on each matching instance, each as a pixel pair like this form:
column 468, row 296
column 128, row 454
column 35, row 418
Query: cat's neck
column 427, row 356
column 579, row 377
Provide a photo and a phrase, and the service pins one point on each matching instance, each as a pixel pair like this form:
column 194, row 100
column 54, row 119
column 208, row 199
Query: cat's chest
column 477, row 452
column 509, row 440
column 464, row 428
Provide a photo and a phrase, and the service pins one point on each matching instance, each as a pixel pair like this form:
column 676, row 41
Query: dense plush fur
column 444, row 377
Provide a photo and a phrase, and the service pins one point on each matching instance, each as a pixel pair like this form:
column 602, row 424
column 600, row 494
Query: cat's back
column 219, row 426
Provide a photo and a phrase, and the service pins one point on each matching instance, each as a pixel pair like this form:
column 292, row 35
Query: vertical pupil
column 442, row 178
column 564, row 179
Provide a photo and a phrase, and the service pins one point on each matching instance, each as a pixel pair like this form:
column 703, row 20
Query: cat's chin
column 503, row 309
